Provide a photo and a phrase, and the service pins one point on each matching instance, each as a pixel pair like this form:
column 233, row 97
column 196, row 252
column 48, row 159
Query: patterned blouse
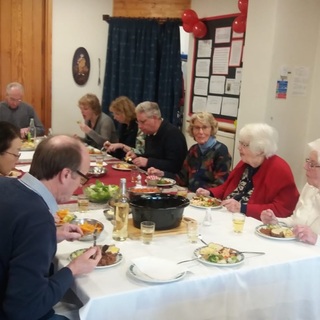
column 204, row 170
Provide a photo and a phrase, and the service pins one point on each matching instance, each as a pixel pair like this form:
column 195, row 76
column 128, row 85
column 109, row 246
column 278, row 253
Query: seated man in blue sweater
column 28, row 235
column 165, row 145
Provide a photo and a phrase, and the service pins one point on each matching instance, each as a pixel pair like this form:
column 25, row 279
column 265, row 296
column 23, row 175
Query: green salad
column 100, row 192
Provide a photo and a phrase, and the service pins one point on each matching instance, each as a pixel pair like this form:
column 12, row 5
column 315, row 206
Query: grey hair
column 315, row 146
column 151, row 109
column 15, row 85
column 261, row 138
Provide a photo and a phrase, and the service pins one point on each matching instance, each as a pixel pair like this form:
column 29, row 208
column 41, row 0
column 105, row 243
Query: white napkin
column 157, row 268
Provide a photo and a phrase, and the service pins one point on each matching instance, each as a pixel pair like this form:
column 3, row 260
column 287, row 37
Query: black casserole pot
column 166, row 210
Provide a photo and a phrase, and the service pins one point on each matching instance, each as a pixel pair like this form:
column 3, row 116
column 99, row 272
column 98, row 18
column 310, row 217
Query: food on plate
column 27, row 145
column 276, row 231
column 164, row 181
column 65, row 216
column 88, row 228
column 109, row 255
column 203, row 201
column 124, row 166
column 217, row 253
column 152, row 180
column 100, row 192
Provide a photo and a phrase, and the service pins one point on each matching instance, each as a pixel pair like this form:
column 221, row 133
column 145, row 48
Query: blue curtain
column 144, row 63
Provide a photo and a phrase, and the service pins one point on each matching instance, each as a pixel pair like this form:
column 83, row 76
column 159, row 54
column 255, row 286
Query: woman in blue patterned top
column 208, row 161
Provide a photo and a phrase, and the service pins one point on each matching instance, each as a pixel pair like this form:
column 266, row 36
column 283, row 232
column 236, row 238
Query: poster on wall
column 217, row 69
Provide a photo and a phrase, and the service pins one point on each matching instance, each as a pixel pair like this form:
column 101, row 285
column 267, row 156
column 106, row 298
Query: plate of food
column 65, row 216
column 152, row 269
column 152, row 180
column 215, row 254
column 97, row 172
column 123, row 166
column 205, row 202
column 275, row 232
column 111, row 256
column 28, row 146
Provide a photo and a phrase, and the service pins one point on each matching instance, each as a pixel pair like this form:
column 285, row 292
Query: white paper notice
column 217, row 84
column 202, row 68
column 223, row 35
column 201, row 86
column 214, row 104
column 199, row 104
column 204, row 48
column 238, row 74
column 300, row 81
column 229, row 107
column 220, row 60
column 233, row 87
column 235, row 54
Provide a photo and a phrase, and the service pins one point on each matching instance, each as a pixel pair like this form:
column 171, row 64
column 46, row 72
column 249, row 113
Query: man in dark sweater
column 165, row 145
column 28, row 235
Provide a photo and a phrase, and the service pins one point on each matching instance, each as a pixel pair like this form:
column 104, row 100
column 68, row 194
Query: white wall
column 279, row 33
column 76, row 23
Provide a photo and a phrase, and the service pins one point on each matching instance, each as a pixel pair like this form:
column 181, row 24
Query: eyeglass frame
column 84, row 178
column 14, row 99
column 311, row 165
column 13, row 154
column 198, row 128
column 243, row 145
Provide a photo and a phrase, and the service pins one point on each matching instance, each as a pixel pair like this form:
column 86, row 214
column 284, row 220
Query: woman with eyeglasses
column 261, row 180
column 10, row 144
column 208, row 161
column 305, row 219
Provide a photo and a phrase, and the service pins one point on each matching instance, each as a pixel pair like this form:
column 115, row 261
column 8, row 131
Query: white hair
column 315, row 146
column 261, row 138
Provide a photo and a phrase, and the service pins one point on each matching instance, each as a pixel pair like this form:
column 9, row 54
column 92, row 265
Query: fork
column 188, row 260
column 200, row 238
column 94, row 240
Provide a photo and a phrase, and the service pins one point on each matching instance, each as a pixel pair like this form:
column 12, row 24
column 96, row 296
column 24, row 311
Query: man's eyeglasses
column 311, row 164
column 14, row 99
column 142, row 121
column 83, row 178
column 14, row 154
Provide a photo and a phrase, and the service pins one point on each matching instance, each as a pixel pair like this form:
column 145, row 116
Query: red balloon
column 187, row 27
column 243, row 6
column 239, row 24
column 199, row 29
column 189, row 17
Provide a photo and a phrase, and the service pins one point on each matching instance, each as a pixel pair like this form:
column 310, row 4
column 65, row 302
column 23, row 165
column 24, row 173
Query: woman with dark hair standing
column 10, row 144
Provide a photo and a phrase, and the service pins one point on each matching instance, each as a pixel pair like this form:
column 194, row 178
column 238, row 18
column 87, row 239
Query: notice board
column 217, row 69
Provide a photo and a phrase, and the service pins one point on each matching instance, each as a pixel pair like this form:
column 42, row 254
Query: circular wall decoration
column 81, row 66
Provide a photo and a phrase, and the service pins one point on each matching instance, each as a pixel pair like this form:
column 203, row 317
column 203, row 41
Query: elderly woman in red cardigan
column 261, row 180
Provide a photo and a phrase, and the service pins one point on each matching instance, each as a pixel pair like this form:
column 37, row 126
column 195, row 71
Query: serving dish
column 123, row 166
column 97, row 172
column 88, row 226
column 166, row 210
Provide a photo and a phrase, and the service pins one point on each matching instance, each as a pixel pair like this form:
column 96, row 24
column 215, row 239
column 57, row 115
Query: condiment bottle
column 32, row 131
column 120, row 227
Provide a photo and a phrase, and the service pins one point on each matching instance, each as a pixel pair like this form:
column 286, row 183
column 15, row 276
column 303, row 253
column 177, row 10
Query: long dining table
column 283, row 283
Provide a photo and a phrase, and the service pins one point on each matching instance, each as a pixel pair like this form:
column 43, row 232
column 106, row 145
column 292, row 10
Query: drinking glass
column 147, row 231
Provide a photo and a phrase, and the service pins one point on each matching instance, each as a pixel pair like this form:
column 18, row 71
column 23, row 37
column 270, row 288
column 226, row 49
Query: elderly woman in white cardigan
column 305, row 219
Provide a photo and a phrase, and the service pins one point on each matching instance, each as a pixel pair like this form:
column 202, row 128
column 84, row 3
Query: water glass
column 192, row 231
column 83, row 203
column 238, row 220
column 147, row 231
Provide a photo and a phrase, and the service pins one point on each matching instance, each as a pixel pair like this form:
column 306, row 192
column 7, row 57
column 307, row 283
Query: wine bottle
column 121, row 212
column 32, row 131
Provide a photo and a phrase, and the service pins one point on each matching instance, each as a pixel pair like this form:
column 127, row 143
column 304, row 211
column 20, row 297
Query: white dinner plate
column 169, row 182
column 123, row 166
column 205, row 207
column 270, row 237
column 76, row 253
column 197, row 253
column 135, row 272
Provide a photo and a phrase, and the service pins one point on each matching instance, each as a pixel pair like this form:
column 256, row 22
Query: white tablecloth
column 282, row 284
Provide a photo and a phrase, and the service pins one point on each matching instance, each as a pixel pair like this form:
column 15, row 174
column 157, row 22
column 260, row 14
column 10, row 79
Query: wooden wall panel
column 150, row 8
column 24, row 43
